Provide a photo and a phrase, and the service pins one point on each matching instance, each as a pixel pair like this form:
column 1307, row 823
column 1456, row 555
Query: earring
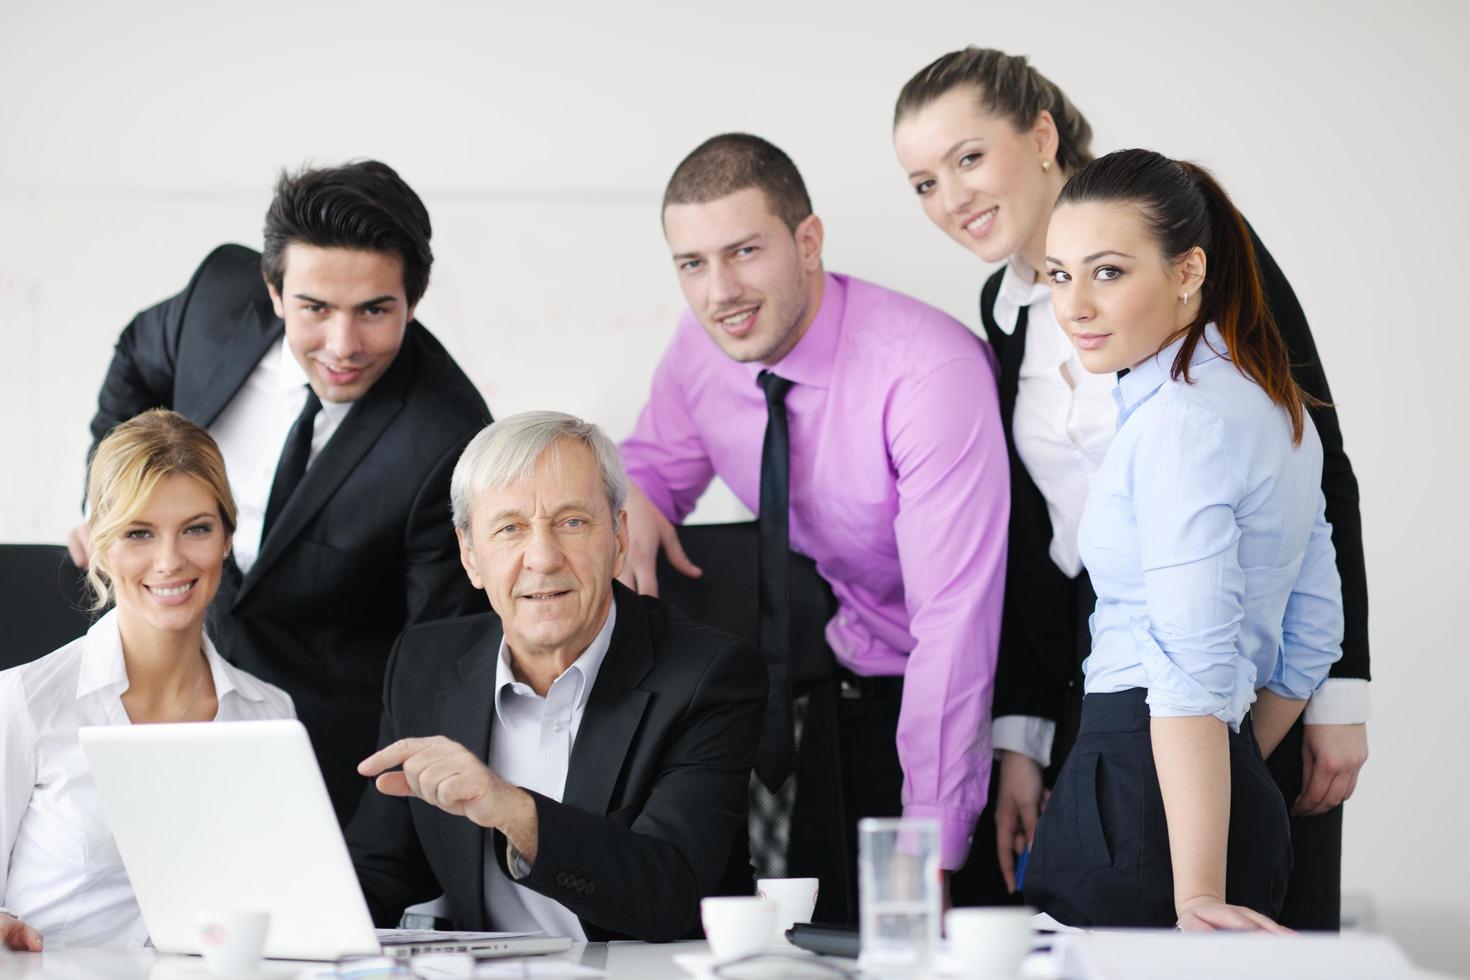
column 1184, row 299
column 1045, row 166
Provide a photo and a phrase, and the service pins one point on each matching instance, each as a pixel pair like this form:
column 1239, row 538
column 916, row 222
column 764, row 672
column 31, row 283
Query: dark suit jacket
column 653, row 816
column 363, row 548
column 1039, row 650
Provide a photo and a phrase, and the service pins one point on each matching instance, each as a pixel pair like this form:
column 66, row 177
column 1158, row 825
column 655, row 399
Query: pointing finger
column 390, row 755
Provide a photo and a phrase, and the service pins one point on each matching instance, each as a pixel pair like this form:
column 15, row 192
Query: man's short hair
column 363, row 205
column 507, row 450
column 731, row 162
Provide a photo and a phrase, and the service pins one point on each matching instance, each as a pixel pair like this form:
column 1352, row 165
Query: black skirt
column 1101, row 852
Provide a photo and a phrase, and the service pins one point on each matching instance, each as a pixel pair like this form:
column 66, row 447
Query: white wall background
column 134, row 137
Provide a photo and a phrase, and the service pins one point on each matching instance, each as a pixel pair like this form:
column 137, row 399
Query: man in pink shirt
column 898, row 490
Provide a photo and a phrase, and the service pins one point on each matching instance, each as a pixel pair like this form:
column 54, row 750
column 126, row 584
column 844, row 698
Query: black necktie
column 775, row 758
column 292, row 465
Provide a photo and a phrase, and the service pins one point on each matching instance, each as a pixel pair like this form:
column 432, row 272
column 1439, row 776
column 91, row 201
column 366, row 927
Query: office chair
column 43, row 601
column 727, row 595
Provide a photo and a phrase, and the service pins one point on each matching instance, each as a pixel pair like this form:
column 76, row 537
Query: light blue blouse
column 1207, row 543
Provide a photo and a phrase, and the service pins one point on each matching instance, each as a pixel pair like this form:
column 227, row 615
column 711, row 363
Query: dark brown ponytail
column 1007, row 86
column 1186, row 207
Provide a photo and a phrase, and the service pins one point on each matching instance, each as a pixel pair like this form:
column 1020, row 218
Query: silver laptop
column 235, row 815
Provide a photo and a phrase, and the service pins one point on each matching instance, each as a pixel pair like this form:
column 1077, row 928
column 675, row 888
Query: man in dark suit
column 576, row 763
column 340, row 418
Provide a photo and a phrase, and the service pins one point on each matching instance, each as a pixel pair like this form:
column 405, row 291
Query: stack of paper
column 1163, row 955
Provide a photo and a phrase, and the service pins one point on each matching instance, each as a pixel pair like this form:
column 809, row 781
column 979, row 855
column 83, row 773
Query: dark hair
column 731, row 162
column 1186, row 207
column 1007, row 86
column 361, row 205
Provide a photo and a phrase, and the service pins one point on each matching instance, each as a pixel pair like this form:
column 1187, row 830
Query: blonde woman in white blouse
column 161, row 516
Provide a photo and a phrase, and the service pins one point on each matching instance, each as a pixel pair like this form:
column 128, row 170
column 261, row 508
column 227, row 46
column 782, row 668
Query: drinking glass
column 899, row 894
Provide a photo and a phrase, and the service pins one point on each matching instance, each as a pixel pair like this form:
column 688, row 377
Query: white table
column 622, row 961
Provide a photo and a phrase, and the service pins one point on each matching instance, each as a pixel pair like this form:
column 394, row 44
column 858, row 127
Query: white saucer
column 703, row 964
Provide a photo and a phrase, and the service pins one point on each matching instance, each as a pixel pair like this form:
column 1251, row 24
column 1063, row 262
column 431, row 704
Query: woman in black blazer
column 987, row 143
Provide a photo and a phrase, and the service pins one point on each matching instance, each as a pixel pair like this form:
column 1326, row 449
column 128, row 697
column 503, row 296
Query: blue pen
column 1021, row 869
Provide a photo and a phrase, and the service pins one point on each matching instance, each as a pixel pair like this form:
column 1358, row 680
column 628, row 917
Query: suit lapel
column 203, row 395
column 464, row 713
column 614, row 710
column 357, row 434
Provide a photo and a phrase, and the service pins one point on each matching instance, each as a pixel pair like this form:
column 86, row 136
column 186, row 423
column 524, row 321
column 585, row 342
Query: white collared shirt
column 1064, row 417
column 61, row 872
column 1063, row 424
column 251, row 432
column 531, row 746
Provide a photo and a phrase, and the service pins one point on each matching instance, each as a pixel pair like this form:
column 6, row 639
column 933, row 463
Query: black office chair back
column 43, row 601
column 727, row 595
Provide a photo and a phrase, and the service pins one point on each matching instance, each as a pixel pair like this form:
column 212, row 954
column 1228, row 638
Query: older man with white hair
column 577, row 761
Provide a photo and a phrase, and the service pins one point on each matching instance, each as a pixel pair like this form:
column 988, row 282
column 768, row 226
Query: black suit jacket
column 363, row 548
column 1039, row 649
column 653, row 815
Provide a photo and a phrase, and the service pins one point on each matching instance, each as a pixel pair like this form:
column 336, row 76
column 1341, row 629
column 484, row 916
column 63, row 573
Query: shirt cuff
column 1339, row 701
column 514, row 863
column 956, row 827
column 1025, row 734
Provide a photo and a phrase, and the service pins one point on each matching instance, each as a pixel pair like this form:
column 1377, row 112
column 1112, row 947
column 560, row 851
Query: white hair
column 507, row 450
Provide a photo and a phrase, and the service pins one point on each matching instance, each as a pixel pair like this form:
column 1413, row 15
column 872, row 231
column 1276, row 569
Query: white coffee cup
column 795, row 898
column 737, row 925
column 988, row 943
column 231, row 940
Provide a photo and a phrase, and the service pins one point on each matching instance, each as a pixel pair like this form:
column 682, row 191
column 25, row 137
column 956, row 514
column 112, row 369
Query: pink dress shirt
column 899, row 492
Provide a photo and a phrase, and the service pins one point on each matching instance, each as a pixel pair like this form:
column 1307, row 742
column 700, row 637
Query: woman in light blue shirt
column 1219, row 606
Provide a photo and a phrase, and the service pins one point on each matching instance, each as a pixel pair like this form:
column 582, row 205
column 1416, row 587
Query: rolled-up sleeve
column 666, row 455
column 953, row 486
column 1312, row 629
column 1185, row 484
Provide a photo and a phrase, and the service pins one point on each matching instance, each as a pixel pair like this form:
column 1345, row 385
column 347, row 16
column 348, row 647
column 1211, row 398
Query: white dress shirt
column 1063, row 424
column 251, row 432
column 61, row 872
column 1064, row 417
column 531, row 746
